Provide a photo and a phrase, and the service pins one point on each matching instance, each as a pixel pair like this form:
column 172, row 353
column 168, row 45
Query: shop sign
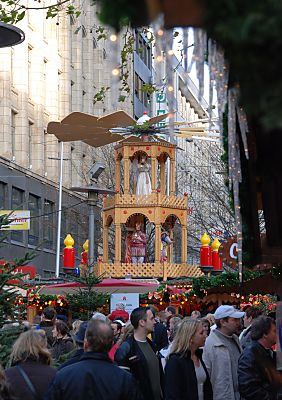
column 130, row 301
column 19, row 220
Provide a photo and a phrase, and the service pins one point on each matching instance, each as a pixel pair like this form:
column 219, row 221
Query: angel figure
column 143, row 186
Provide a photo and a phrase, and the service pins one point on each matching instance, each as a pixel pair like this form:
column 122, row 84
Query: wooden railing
column 153, row 199
column 146, row 270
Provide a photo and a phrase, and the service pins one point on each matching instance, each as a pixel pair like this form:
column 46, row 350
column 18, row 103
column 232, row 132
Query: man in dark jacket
column 137, row 354
column 94, row 377
column 257, row 374
column 47, row 324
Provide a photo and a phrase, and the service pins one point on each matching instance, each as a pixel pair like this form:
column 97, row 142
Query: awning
column 108, row 285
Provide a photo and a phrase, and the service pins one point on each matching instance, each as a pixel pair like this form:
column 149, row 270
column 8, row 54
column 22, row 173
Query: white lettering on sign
column 233, row 250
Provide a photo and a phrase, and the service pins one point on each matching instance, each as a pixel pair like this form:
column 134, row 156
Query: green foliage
column 87, row 299
column 203, row 283
column 250, row 33
column 8, row 335
column 101, row 33
column 148, row 88
column 8, row 294
column 13, row 11
column 100, row 95
column 118, row 13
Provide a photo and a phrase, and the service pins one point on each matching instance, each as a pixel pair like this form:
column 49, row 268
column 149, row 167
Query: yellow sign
column 19, row 220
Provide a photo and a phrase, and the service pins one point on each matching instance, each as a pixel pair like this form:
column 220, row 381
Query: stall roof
column 107, row 285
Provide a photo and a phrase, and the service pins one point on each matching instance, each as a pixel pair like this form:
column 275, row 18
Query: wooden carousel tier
column 146, row 270
column 151, row 200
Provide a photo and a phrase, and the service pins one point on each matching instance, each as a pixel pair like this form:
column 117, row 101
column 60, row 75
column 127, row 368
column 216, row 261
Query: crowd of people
column 228, row 355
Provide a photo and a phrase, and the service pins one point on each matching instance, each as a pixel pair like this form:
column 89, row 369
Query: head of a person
column 120, row 306
column 263, row 330
column 127, row 331
column 228, row 319
column 251, row 313
column 174, row 323
column 99, row 316
column 49, row 314
column 138, row 226
column 210, row 318
column 195, row 314
column 189, row 337
column 76, row 325
column 142, row 318
column 162, row 316
column 170, row 310
column 31, row 346
column 60, row 329
column 206, row 326
column 98, row 337
column 80, row 334
column 117, row 326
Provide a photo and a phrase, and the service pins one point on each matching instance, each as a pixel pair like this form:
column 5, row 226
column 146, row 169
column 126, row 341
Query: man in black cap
column 74, row 355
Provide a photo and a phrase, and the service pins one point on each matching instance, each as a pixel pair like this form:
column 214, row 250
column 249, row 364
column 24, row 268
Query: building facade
column 58, row 69
column 200, row 171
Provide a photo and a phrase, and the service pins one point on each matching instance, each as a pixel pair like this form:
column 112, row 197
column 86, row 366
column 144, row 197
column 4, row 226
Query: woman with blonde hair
column 186, row 376
column 30, row 374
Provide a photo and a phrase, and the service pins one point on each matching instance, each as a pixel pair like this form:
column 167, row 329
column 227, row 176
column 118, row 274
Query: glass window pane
column 48, row 225
column 17, row 204
column 34, row 207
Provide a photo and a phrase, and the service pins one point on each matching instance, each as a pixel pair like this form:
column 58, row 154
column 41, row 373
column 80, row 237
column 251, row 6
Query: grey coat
column 218, row 362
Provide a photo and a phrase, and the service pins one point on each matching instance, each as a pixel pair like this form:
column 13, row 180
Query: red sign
column 29, row 270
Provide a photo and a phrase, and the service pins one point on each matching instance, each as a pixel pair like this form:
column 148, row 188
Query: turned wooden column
column 117, row 243
column 105, row 243
column 172, row 177
column 157, row 243
column 162, row 176
column 126, row 175
column 118, row 174
column 183, row 244
column 154, row 174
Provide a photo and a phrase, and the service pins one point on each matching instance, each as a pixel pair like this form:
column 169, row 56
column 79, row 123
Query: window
column 17, row 204
column 48, row 224
column 144, row 50
column 13, row 134
column 45, row 141
column 34, row 208
column 3, row 195
column 45, row 82
column 29, row 57
column 30, row 142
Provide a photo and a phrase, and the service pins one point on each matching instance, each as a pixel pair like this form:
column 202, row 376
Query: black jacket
column 129, row 356
column 41, row 376
column 94, row 377
column 258, row 377
column 71, row 358
column 160, row 338
column 181, row 380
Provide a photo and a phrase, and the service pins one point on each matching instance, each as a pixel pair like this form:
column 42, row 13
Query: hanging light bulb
column 113, row 37
column 115, row 72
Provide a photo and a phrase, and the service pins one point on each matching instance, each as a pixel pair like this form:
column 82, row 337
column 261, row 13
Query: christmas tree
column 10, row 281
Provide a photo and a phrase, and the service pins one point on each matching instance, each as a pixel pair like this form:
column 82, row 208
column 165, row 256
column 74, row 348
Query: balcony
column 146, row 270
column 151, row 200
